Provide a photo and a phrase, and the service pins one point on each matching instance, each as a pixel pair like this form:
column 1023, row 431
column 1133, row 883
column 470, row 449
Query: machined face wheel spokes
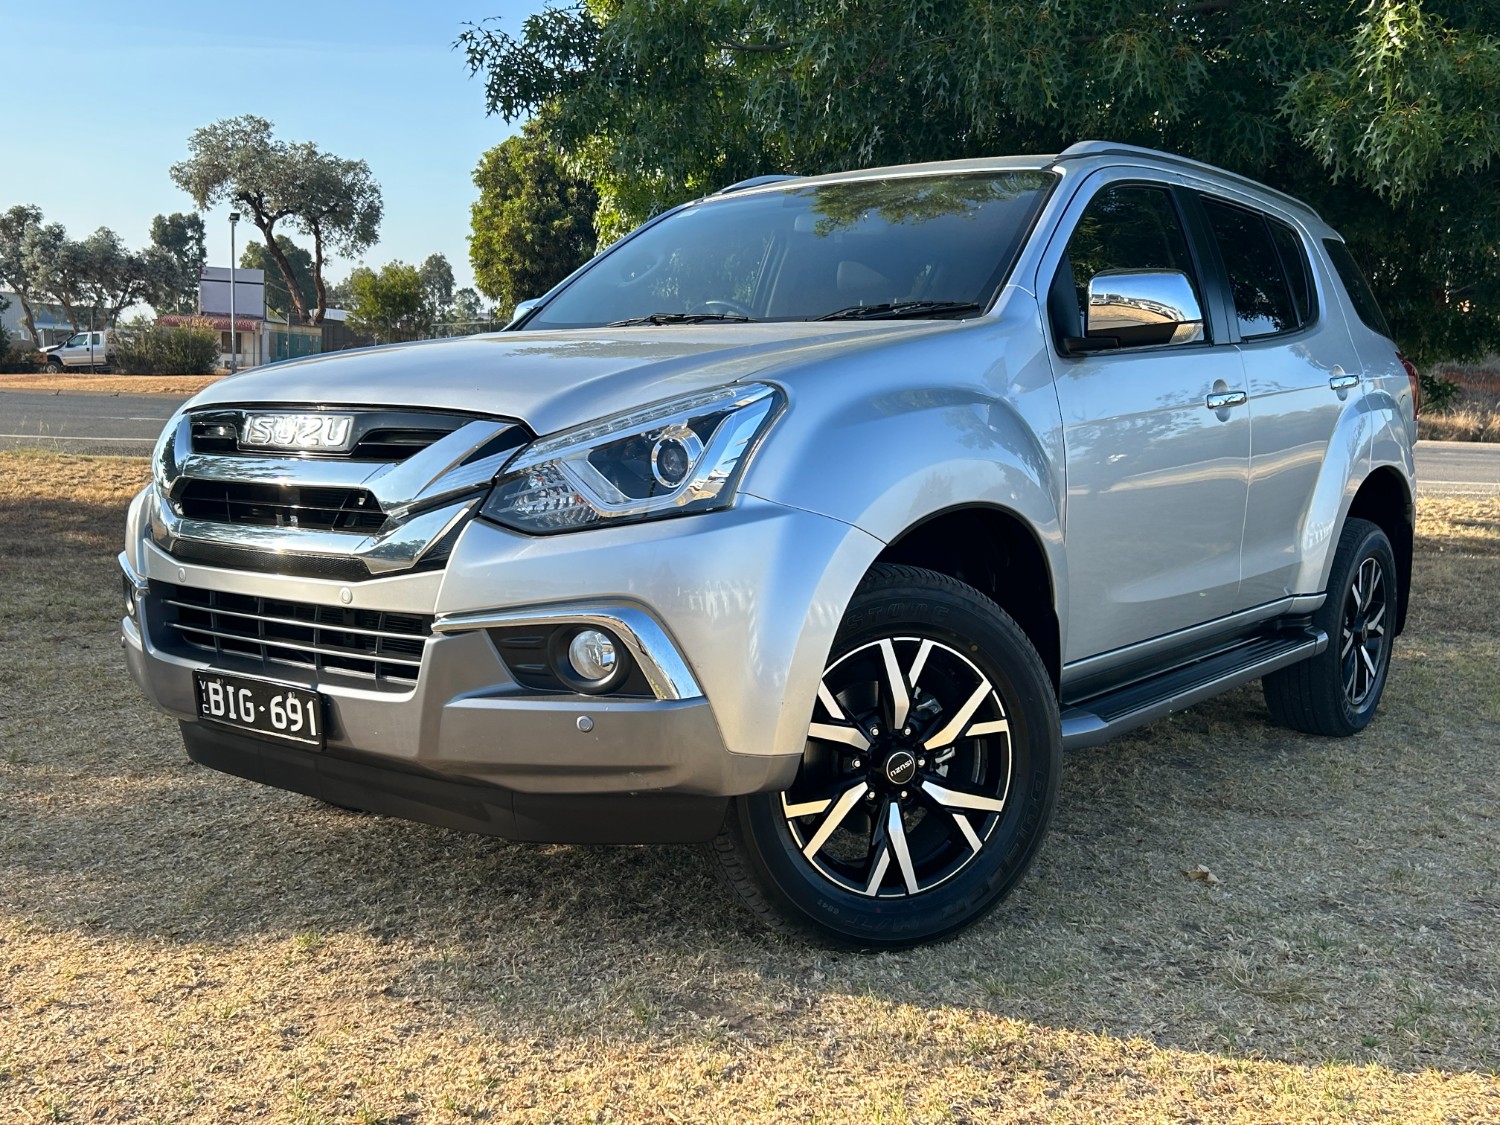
column 907, row 768
column 1363, row 636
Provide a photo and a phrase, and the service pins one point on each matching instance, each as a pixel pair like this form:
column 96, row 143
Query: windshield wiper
column 893, row 310
column 676, row 318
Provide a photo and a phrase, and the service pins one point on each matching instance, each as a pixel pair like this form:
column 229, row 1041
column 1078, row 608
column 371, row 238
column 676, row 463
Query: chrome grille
column 379, row 435
column 385, row 647
column 279, row 505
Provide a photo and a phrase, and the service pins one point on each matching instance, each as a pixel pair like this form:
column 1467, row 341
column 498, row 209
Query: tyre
column 54, row 367
column 928, row 779
column 1336, row 692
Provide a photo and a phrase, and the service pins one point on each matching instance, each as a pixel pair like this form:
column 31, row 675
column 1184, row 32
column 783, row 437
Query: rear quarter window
column 1357, row 287
column 1263, row 299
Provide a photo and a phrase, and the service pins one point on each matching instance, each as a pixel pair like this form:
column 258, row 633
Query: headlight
column 683, row 455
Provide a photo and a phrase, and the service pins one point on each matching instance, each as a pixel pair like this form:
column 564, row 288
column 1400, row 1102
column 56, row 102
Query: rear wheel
column 1336, row 692
column 927, row 782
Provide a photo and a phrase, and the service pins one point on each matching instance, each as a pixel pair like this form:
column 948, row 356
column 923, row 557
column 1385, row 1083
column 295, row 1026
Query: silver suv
column 811, row 521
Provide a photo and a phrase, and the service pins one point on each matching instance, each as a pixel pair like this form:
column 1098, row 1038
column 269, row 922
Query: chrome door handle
column 1224, row 400
column 1343, row 382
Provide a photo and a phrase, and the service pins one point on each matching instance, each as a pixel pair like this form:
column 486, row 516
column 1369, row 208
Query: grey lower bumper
column 364, row 783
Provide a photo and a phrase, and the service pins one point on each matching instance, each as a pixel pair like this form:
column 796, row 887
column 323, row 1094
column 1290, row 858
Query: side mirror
column 1138, row 308
column 522, row 308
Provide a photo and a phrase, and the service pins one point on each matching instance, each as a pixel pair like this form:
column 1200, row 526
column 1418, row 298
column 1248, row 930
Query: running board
column 1098, row 719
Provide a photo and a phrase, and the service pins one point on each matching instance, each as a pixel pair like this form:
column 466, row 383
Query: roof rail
column 756, row 181
column 1110, row 148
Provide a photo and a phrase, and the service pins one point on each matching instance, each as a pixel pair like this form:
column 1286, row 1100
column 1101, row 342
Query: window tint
column 1359, row 290
column 1262, row 300
column 1130, row 227
column 1294, row 262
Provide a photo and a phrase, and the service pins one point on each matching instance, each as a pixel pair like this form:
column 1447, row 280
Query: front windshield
column 907, row 245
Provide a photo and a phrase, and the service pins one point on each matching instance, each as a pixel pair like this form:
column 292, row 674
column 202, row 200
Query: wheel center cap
column 901, row 767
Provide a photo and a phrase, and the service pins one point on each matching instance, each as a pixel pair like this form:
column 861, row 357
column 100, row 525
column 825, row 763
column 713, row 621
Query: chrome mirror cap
column 1143, row 307
column 522, row 308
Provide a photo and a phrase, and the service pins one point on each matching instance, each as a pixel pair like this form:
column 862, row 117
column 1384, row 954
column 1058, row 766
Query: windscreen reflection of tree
column 1127, row 228
column 724, row 267
column 907, row 201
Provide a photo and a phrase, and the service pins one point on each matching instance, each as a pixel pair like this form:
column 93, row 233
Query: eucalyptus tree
column 338, row 204
column 175, row 258
column 16, row 270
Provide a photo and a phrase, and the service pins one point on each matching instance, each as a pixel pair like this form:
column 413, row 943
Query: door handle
column 1224, row 400
column 1342, row 382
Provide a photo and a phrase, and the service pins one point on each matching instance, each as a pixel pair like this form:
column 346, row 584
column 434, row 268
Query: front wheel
column 928, row 780
column 53, row 367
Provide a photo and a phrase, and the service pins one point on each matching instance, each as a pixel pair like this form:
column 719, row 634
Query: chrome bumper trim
column 661, row 662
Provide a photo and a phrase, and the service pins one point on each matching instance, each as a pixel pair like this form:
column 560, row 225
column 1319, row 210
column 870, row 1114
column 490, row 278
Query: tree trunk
column 322, row 290
column 67, row 308
column 29, row 318
column 283, row 265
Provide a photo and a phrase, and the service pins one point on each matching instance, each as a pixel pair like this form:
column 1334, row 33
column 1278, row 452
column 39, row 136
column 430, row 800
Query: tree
column 175, row 261
column 1377, row 113
column 339, row 205
column 58, row 267
column 437, row 288
column 387, row 305
column 335, row 201
column 467, row 307
column 15, row 268
column 111, row 278
column 534, row 221
column 254, row 257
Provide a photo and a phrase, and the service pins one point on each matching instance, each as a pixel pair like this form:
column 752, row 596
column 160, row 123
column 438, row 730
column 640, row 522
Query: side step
column 1099, row 718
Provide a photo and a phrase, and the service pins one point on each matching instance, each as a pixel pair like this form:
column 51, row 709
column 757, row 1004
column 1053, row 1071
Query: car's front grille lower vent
column 385, row 647
column 274, row 505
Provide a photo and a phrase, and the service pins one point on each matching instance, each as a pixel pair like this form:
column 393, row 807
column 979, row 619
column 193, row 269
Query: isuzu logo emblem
column 319, row 433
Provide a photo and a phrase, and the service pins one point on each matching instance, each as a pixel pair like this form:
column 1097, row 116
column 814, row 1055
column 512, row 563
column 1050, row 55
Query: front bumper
column 734, row 610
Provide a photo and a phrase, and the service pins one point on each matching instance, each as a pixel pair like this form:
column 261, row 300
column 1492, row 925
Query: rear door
column 1157, row 480
column 1301, row 370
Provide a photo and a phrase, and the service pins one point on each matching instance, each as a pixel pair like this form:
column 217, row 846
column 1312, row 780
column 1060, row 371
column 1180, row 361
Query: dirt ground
column 111, row 384
column 177, row 945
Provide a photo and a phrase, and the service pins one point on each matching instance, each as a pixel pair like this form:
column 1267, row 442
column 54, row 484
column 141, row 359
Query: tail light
column 1416, row 384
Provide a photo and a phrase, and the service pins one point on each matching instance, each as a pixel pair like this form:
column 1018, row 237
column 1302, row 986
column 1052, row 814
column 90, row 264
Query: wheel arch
column 1385, row 500
column 997, row 552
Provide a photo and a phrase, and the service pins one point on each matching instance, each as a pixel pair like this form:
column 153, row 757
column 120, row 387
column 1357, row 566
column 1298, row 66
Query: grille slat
column 375, row 644
column 277, row 505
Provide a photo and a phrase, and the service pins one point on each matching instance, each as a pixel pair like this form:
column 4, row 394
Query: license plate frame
column 224, row 697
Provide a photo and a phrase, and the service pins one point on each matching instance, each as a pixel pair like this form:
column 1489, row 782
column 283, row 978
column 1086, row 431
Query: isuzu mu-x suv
column 810, row 521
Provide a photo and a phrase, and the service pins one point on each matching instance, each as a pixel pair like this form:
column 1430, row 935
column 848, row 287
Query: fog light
column 592, row 654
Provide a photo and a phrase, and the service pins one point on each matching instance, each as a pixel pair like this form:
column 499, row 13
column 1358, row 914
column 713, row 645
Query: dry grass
column 111, row 384
column 177, row 945
column 1475, row 413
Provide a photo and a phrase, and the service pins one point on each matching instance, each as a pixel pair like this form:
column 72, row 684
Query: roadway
column 129, row 423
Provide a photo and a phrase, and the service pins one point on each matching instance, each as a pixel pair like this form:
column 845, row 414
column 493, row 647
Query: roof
column 188, row 320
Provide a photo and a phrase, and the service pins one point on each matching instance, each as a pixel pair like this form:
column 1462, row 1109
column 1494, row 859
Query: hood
column 553, row 380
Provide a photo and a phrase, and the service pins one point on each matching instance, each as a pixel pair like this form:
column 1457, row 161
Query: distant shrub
column 1438, row 394
column 145, row 348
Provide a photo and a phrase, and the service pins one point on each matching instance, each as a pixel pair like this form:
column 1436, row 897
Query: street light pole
column 234, row 335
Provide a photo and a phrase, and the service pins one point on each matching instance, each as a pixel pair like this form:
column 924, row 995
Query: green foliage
column 335, row 201
column 437, row 287
column 254, row 257
column 146, row 348
column 174, row 262
column 1438, row 394
column 388, row 305
column 533, row 223
column 16, row 225
column 1378, row 113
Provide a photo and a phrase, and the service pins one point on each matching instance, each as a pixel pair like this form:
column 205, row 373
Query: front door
column 1157, row 479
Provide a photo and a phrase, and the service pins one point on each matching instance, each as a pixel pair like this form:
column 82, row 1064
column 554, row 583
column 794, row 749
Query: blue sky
column 102, row 96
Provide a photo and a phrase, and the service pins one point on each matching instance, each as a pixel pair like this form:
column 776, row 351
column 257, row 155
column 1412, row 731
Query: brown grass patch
column 177, row 945
column 111, row 384
column 1475, row 413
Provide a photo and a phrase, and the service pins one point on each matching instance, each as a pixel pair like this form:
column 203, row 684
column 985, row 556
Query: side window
column 1262, row 299
column 1129, row 227
column 1294, row 262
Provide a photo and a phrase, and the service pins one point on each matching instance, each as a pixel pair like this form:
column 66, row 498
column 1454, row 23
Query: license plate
column 269, row 709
